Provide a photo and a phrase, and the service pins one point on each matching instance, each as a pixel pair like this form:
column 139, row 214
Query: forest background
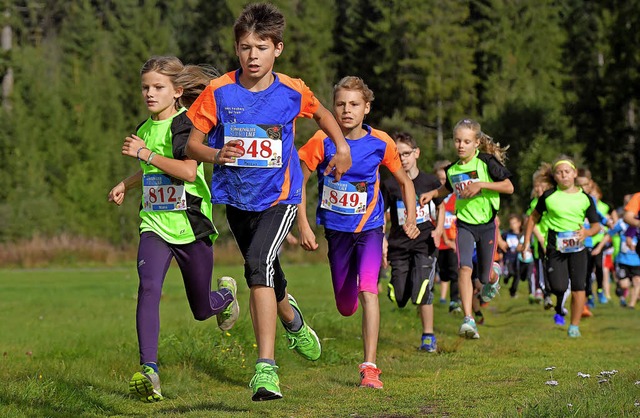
column 544, row 77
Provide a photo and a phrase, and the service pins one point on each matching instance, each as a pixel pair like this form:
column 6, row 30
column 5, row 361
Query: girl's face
column 159, row 95
column 257, row 56
column 564, row 175
column 466, row 143
column 350, row 108
column 584, row 183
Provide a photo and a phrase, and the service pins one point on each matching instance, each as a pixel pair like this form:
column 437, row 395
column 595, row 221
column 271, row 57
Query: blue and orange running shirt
column 269, row 171
column 354, row 204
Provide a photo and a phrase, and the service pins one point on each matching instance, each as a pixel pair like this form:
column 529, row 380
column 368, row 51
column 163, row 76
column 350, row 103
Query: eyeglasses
column 406, row 154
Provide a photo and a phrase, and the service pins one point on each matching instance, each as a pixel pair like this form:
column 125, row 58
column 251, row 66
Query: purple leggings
column 354, row 259
column 196, row 264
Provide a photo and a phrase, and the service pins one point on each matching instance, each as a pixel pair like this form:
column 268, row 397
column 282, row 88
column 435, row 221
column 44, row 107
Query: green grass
column 68, row 346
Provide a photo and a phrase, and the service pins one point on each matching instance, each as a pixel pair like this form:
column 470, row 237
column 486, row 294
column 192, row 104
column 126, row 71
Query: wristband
column 153, row 154
column 138, row 153
column 215, row 159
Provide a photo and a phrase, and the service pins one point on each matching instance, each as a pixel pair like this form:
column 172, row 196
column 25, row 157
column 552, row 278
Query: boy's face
column 350, row 108
column 257, row 55
column 515, row 224
column 408, row 156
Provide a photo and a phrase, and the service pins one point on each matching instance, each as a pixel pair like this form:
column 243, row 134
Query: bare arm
column 505, row 187
column 533, row 219
column 135, row 147
column 409, row 197
column 438, row 233
column 307, row 237
column 341, row 161
column 116, row 195
column 427, row 197
column 630, row 218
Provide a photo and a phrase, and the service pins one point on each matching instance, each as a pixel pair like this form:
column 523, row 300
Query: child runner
column 176, row 212
column 478, row 178
column 447, row 258
column 541, row 185
column 249, row 115
column 413, row 261
column 352, row 212
column 567, row 206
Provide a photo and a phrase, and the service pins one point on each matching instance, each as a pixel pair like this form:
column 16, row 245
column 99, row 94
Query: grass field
column 69, row 347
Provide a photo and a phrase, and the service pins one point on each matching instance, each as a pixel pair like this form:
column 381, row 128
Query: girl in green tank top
column 477, row 179
column 566, row 207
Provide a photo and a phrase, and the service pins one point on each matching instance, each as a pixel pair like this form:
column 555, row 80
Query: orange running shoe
column 370, row 377
column 586, row 313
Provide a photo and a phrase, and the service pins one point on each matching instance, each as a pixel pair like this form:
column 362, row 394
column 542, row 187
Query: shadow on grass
column 203, row 407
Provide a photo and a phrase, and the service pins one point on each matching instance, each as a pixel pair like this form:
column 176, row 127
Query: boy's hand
column 229, row 152
column 411, row 229
column 471, row 190
column 308, row 239
column 340, row 163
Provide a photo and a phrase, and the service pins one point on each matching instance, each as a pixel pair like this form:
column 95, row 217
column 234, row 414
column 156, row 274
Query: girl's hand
column 471, row 190
column 132, row 146
column 582, row 233
column 116, row 195
column 427, row 197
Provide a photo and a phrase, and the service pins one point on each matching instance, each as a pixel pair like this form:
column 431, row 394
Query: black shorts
column 412, row 277
column 259, row 236
column 624, row 271
column 562, row 267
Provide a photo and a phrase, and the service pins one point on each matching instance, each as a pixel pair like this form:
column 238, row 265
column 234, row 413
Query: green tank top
column 178, row 211
column 482, row 207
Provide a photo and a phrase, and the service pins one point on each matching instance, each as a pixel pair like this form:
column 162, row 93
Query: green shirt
column 481, row 208
column 169, row 138
column 566, row 211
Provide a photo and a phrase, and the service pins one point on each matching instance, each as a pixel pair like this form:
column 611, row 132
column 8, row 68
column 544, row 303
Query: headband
column 564, row 162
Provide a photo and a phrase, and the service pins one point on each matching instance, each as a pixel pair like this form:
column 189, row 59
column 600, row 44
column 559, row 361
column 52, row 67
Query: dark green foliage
column 542, row 77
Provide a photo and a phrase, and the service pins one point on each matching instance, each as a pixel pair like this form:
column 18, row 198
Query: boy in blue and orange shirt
column 248, row 117
column 351, row 210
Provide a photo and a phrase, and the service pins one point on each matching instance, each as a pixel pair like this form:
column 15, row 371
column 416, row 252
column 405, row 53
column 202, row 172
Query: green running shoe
column 229, row 316
column 304, row 341
column 146, row 385
column 265, row 383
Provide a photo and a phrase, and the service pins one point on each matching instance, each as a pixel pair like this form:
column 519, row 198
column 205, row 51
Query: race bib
column 462, row 180
column 568, row 242
column 161, row 192
column 512, row 241
column 347, row 198
column 449, row 220
column 261, row 145
column 423, row 214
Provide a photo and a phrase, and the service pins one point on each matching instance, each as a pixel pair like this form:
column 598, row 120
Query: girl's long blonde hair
column 487, row 144
column 192, row 78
